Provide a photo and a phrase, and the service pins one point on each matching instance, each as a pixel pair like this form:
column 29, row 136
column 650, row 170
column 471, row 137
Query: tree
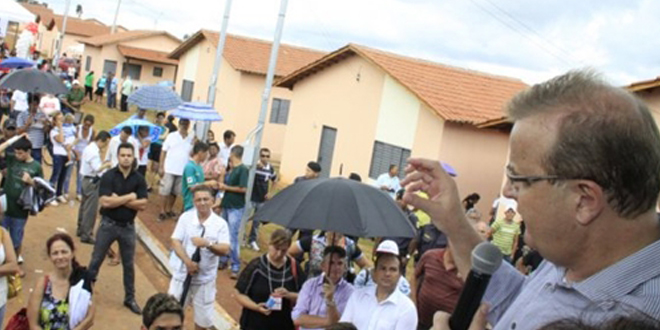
column 79, row 10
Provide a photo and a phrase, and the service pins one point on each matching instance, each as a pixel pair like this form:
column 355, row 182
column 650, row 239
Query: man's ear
column 590, row 200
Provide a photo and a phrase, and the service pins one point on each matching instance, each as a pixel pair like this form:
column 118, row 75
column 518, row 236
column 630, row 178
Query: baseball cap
column 388, row 246
column 76, row 82
column 10, row 124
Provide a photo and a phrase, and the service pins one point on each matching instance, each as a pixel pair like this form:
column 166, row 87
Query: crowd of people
column 562, row 262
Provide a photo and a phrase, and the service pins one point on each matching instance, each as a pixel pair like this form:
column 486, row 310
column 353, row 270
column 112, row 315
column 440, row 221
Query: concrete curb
column 221, row 319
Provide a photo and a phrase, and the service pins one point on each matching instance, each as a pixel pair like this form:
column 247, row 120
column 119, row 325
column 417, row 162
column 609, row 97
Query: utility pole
column 265, row 97
column 210, row 98
column 114, row 22
column 56, row 59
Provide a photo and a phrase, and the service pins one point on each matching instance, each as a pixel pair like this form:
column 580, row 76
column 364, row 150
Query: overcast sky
column 529, row 40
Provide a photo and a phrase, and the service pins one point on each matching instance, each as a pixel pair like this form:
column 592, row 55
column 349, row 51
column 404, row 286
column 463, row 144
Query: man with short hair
column 19, row 103
column 76, row 97
column 125, row 136
column 199, row 229
column 8, row 132
column 389, row 182
column 382, row 307
column 322, row 299
column 91, row 168
column 505, row 234
column 228, row 138
column 312, row 171
column 588, row 198
column 126, row 90
column 264, row 174
column 193, row 174
column 233, row 203
column 162, row 312
column 173, row 158
column 112, row 83
column 35, row 123
column 123, row 193
column 403, row 243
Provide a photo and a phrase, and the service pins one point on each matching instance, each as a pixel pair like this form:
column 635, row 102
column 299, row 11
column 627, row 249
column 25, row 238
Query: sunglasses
column 265, row 156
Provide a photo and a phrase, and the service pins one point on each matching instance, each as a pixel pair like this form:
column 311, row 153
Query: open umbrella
column 155, row 97
column 34, row 81
column 15, row 62
column 197, row 111
column 196, row 257
column 340, row 205
column 154, row 131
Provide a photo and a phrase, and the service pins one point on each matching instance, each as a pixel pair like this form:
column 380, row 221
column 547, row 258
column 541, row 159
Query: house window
column 279, row 113
column 133, row 70
column 385, row 155
column 88, row 63
column 158, row 71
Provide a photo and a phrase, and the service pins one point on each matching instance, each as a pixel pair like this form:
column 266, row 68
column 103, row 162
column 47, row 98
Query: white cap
column 76, row 82
column 388, row 246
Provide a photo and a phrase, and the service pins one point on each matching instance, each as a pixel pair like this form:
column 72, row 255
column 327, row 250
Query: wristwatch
column 211, row 243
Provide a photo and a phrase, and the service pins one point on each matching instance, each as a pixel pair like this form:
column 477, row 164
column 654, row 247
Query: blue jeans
column 16, row 228
column 36, row 155
column 59, row 173
column 78, row 179
column 112, row 100
column 67, row 179
column 233, row 217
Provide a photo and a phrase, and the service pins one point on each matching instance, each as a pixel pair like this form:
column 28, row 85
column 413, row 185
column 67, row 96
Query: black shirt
column 262, row 177
column 113, row 181
column 171, row 127
column 430, row 238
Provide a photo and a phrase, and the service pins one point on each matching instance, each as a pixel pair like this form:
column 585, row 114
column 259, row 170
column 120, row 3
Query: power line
column 514, row 29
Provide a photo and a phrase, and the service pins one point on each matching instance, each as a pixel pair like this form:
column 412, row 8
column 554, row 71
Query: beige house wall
column 652, row 99
column 428, row 134
column 479, row 157
column 96, row 62
column 159, row 43
column 70, row 42
column 336, row 98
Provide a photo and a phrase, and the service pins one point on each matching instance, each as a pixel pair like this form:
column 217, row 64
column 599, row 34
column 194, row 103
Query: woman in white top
column 84, row 136
column 8, row 266
column 60, row 157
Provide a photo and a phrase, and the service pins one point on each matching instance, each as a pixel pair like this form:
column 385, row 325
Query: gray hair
column 604, row 134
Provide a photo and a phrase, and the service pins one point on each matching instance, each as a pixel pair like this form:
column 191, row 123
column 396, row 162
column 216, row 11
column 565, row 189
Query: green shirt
column 237, row 178
column 75, row 95
column 504, row 235
column 14, row 183
column 193, row 174
column 163, row 133
column 89, row 80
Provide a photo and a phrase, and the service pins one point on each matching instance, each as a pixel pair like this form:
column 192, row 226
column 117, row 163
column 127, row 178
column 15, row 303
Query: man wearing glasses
column 584, row 167
column 264, row 175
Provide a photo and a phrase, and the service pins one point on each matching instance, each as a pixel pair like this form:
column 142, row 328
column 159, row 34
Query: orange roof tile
column 643, row 85
column 145, row 54
column 45, row 14
column 252, row 55
column 81, row 27
column 456, row 94
column 124, row 36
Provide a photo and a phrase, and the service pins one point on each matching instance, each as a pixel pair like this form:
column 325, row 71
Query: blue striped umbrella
column 154, row 131
column 197, row 111
column 155, row 97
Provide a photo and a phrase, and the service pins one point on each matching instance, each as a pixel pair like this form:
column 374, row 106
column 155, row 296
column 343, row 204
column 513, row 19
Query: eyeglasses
column 265, row 156
column 515, row 181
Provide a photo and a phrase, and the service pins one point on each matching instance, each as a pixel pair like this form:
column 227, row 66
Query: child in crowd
column 70, row 138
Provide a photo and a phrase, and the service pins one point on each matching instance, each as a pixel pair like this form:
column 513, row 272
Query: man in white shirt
column 173, row 159
column 389, row 182
column 199, row 229
column 126, row 90
column 19, row 103
column 382, row 307
column 225, row 148
column 49, row 104
column 126, row 135
column 90, row 168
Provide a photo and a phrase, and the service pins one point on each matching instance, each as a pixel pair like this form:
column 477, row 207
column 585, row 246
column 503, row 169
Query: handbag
column 19, row 321
column 14, row 286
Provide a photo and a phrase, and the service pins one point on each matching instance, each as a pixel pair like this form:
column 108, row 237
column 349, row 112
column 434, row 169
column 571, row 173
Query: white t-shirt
column 188, row 227
column 58, row 148
column 391, row 182
column 20, row 100
column 178, row 152
column 49, row 104
column 225, row 151
column 111, row 154
column 397, row 312
column 91, row 160
column 144, row 159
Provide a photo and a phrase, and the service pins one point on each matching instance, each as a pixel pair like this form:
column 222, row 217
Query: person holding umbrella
column 198, row 232
column 267, row 287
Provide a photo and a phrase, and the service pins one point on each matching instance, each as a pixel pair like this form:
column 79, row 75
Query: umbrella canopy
column 339, row 205
column 197, row 111
column 155, row 97
column 16, row 62
column 154, row 131
column 34, row 81
column 449, row 169
column 166, row 83
column 13, row 11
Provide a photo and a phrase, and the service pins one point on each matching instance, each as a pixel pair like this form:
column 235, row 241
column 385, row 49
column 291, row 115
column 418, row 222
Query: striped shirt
column 529, row 302
column 504, row 234
column 36, row 131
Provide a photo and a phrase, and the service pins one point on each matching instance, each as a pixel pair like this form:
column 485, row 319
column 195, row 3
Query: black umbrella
column 339, row 205
column 196, row 257
column 34, row 81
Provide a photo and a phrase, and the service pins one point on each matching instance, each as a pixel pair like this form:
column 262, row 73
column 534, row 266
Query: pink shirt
column 212, row 168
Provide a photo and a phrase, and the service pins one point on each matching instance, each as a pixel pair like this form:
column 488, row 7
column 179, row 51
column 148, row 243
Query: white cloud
column 530, row 40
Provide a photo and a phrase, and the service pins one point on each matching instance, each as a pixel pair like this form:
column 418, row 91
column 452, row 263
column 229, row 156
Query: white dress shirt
column 91, row 160
column 397, row 312
column 188, row 226
column 225, row 151
column 178, row 152
column 390, row 182
column 111, row 154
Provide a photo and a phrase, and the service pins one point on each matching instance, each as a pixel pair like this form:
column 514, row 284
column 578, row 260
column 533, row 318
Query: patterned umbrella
column 197, row 111
column 155, row 97
column 154, row 131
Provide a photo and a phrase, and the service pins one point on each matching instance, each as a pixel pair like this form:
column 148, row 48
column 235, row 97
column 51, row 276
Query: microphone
column 486, row 259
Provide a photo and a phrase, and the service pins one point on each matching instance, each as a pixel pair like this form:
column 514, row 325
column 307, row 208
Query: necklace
column 270, row 285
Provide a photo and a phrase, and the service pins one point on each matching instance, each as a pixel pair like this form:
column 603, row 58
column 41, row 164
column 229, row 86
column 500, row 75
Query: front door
column 326, row 150
column 187, row 90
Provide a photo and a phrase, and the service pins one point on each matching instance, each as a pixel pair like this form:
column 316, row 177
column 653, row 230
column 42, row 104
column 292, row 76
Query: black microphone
column 486, row 259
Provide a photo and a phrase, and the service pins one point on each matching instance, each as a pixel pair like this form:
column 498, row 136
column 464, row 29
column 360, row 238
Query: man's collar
column 320, row 282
